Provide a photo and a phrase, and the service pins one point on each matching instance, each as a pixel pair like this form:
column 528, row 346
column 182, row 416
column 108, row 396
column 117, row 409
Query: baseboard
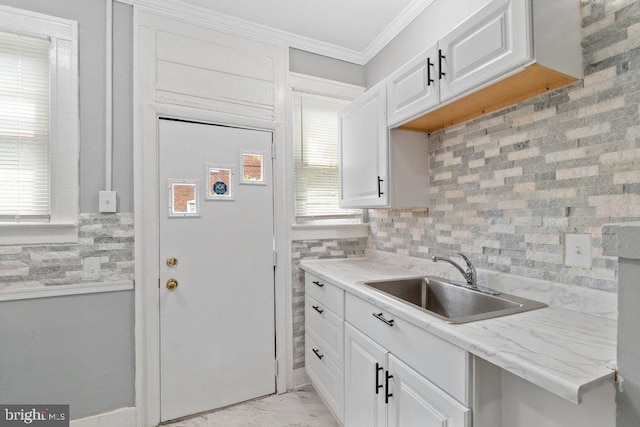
column 300, row 378
column 123, row 417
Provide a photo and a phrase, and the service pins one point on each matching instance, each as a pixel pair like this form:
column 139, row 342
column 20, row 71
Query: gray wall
column 424, row 31
column 629, row 343
column 79, row 349
column 75, row 350
column 90, row 15
column 304, row 62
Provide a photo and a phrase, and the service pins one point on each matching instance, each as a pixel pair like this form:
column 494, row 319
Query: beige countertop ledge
column 558, row 348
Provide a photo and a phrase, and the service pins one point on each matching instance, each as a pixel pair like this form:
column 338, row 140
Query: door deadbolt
column 172, row 284
column 172, row 261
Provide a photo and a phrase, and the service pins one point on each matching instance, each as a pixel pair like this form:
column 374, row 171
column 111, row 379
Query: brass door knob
column 172, row 262
column 172, row 284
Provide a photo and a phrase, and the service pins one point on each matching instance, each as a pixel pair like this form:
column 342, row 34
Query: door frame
column 146, row 113
column 147, row 232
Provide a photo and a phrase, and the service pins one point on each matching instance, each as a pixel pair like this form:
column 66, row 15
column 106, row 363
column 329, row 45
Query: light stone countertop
column 560, row 350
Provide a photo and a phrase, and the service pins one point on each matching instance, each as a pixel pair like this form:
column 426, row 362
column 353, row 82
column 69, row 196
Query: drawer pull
column 380, row 317
column 315, row 282
column 387, row 395
column 318, row 309
column 378, row 385
column 317, row 353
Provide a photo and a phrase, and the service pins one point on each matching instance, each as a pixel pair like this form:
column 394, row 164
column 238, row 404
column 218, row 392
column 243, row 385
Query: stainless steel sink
column 451, row 302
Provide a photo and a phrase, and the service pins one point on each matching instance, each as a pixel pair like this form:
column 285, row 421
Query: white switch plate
column 107, row 201
column 91, row 268
column 577, row 250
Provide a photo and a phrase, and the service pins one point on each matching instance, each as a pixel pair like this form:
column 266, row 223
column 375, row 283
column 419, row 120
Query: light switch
column 91, row 268
column 107, row 201
column 577, row 250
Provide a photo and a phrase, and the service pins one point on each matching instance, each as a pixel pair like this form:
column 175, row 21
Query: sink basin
column 451, row 302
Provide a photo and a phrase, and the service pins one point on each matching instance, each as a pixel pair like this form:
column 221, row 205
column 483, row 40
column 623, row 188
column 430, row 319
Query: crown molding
column 415, row 8
column 217, row 20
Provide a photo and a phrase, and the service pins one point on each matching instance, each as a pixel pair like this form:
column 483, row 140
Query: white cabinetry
column 495, row 39
column 399, row 375
column 324, row 340
column 414, row 87
column 507, row 51
column 364, row 154
column 379, row 168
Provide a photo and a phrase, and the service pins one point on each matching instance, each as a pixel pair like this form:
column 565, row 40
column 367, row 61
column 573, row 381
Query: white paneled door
column 217, row 333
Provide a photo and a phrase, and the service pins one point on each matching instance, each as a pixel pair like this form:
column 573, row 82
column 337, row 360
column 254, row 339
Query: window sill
column 328, row 231
column 38, row 233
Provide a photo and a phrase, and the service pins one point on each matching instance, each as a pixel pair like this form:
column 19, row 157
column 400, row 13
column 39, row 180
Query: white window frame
column 324, row 229
column 62, row 226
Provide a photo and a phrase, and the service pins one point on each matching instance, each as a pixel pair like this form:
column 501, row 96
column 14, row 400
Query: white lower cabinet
column 365, row 366
column 324, row 340
column 415, row 401
column 381, row 390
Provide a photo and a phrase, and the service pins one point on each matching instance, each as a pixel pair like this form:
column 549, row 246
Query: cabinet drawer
column 325, row 293
column 440, row 362
column 326, row 328
column 326, row 376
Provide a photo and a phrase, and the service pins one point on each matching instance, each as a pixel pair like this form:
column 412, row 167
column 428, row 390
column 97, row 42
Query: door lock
column 172, row 284
column 172, row 261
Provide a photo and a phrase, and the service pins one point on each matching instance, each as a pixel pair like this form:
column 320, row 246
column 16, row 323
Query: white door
column 364, row 387
column 415, row 401
column 364, row 150
column 217, row 333
column 414, row 88
column 491, row 42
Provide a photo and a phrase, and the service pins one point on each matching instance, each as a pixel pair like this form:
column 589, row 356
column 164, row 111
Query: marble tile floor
column 299, row 408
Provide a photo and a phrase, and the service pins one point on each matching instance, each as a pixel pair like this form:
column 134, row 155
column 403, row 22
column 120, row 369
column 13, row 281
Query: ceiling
column 352, row 30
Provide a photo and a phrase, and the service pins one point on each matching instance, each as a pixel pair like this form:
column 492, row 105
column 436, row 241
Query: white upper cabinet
column 504, row 53
column 414, row 87
column 364, row 150
column 379, row 168
column 495, row 39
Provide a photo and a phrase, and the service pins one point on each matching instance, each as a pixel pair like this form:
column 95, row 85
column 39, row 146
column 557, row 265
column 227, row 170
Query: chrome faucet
column 470, row 274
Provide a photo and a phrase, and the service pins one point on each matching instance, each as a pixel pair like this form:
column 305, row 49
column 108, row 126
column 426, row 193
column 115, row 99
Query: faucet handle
column 471, row 268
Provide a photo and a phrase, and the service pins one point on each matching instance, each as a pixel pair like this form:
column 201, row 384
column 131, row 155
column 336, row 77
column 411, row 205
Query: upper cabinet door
column 413, row 88
column 490, row 43
column 364, row 150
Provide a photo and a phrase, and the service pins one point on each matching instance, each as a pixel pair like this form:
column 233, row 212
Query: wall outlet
column 577, row 250
column 91, row 268
column 107, row 201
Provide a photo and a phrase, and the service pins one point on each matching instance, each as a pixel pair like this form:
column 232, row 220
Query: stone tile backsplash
column 314, row 249
column 506, row 187
column 108, row 236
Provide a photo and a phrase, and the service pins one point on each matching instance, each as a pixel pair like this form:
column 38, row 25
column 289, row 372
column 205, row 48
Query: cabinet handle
column 387, row 395
column 317, row 353
column 380, row 317
column 440, row 58
column 378, row 385
column 315, row 282
column 318, row 309
column 429, row 65
column 380, row 193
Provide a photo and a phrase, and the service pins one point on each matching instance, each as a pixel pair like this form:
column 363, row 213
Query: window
column 24, row 127
column 315, row 152
column 38, row 127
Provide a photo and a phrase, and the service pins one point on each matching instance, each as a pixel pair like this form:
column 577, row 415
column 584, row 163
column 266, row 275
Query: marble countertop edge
column 568, row 375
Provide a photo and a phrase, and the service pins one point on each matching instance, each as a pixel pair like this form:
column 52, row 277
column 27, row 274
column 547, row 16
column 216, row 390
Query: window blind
column 24, row 127
column 315, row 151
